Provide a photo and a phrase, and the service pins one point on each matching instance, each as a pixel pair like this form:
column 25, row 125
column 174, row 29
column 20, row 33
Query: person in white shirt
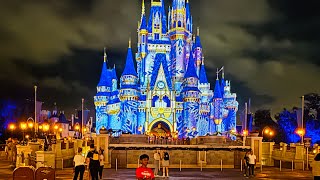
column 156, row 157
column 101, row 160
column 252, row 162
column 79, row 162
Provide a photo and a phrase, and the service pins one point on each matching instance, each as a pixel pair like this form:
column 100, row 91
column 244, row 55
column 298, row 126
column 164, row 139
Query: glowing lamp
column 23, row 126
column 314, row 151
column 245, row 132
column 27, row 136
column 30, row 125
column 300, row 132
column 271, row 133
column 60, row 129
column 56, row 127
column 194, row 129
column 40, row 127
column 77, row 127
column 85, row 129
column 46, row 127
column 12, row 127
column 266, row 131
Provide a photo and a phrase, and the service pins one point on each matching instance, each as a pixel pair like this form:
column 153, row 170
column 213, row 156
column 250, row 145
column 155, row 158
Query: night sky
column 269, row 48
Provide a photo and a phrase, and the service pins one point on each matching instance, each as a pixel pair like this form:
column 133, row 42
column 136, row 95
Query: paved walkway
column 175, row 174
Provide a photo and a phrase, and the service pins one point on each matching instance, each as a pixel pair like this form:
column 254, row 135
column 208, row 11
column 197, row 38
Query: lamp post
column 267, row 131
column 12, row 127
column 300, row 132
column 82, row 118
column 23, row 127
column 31, row 124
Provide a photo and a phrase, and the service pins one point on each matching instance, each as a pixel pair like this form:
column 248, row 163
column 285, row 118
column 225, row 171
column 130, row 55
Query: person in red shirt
column 143, row 172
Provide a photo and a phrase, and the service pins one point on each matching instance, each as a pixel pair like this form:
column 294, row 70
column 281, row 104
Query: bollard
column 221, row 164
column 292, row 165
column 180, row 165
column 62, row 163
column 138, row 163
column 116, row 164
column 201, row 165
column 280, row 165
column 241, row 165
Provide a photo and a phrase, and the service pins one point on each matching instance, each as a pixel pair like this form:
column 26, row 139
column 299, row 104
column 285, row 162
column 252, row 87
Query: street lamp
column 12, row 127
column 46, row 127
column 267, row 131
column 300, row 132
column 23, row 127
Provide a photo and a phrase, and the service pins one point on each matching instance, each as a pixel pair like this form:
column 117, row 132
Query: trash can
column 47, row 173
column 24, row 173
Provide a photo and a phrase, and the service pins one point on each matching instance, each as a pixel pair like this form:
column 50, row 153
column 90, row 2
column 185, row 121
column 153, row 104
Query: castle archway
column 160, row 127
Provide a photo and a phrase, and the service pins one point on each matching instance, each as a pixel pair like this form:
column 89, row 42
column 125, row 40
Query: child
column 143, row 172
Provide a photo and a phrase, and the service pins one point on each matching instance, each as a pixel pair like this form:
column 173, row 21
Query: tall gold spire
column 130, row 42
column 104, row 54
column 143, row 8
column 187, row 1
column 202, row 60
column 198, row 31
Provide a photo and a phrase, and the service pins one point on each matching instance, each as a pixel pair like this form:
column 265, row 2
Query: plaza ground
column 175, row 174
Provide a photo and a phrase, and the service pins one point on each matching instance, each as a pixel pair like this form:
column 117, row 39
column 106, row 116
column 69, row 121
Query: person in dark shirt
column 94, row 163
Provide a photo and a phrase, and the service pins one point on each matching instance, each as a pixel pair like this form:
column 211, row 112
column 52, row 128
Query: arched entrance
column 160, row 127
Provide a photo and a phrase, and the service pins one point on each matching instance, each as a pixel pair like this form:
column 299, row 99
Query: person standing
column 316, row 167
column 143, row 172
column 156, row 157
column 101, row 160
column 246, row 164
column 79, row 162
column 93, row 161
column 252, row 162
column 165, row 164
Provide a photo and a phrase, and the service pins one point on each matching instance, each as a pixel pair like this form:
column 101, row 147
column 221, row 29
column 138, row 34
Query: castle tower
column 216, row 106
column 142, row 45
column 129, row 95
column 102, row 97
column 198, row 51
column 191, row 98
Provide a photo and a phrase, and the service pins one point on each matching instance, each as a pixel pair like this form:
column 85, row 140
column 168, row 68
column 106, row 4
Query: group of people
column 94, row 161
column 249, row 163
column 160, row 159
column 11, row 150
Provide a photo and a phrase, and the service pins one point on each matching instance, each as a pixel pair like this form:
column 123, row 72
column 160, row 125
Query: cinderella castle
column 168, row 91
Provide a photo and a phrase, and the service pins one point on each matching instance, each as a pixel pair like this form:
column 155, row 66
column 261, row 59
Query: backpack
column 166, row 156
column 95, row 156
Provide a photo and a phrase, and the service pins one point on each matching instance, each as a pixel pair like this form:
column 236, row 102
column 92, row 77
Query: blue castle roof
column 114, row 73
column 223, row 84
column 198, row 42
column 143, row 24
column 129, row 69
column 104, row 78
column 203, row 75
column 191, row 70
column 217, row 90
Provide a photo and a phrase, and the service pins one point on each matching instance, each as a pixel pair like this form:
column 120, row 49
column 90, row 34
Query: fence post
column 116, row 164
column 241, row 165
column 62, row 163
column 221, row 164
column 138, row 163
column 201, row 165
column 292, row 165
column 280, row 165
column 180, row 164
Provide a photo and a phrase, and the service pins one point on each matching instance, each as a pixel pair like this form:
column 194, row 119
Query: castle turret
column 129, row 95
column 217, row 105
column 191, row 97
column 101, row 99
column 157, row 25
column 198, row 51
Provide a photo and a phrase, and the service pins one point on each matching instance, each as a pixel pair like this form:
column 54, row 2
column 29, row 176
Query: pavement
column 176, row 174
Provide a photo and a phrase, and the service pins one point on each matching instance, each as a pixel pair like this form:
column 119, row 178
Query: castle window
column 156, row 36
column 179, row 24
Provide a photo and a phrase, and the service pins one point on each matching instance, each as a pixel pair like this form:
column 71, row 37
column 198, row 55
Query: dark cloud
column 269, row 48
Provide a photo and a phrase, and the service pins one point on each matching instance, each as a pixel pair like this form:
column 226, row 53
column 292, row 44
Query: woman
column 101, row 159
column 165, row 164
column 79, row 162
column 316, row 167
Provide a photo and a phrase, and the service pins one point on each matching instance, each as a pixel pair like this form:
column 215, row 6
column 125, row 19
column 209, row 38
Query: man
column 156, row 157
column 252, row 162
column 246, row 163
column 93, row 161
column 143, row 172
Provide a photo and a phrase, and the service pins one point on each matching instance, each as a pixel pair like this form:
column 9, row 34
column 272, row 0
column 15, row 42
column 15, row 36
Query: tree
column 312, row 106
column 287, row 122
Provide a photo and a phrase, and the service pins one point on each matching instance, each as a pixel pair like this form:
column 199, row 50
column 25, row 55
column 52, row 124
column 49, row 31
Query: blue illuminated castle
column 169, row 90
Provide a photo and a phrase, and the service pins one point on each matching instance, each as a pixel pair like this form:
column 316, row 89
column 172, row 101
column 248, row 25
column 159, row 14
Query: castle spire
column 202, row 75
column 129, row 42
column 104, row 55
column 217, row 90
column 198, row 31
column 129, row 68
column 191, row 71
column 143, row 8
